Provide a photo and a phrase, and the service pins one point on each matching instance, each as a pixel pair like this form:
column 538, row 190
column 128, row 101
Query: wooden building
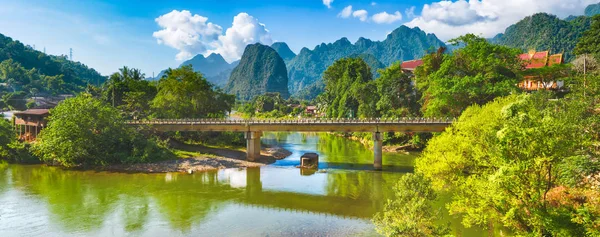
column 30, row 122
column 411, row 66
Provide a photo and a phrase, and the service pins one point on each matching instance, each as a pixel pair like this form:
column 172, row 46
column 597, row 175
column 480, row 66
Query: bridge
column 253, row 128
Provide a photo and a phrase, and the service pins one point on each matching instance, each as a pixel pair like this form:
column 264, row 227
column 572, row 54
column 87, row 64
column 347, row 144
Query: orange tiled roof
column 555, row 59
column 535, row 59
column 412, row 64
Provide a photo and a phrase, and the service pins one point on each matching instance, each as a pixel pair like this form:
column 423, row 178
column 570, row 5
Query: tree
column 128, row 91
column 86, row 131
column 411, row 212
column 474, row 74
column 349, row 90
column 397, row 96
column 589, row 43
column 183, row 93
column 518, row 161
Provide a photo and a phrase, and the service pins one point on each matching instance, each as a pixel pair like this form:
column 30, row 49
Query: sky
column 153, row 35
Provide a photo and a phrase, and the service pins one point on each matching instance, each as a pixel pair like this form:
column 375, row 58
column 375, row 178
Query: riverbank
column 392, row 148
column 196, row 158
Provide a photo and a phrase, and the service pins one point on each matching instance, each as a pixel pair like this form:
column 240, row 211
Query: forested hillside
column 261, row 70
column 402, row 44
column 543, row 32
column 24, row 69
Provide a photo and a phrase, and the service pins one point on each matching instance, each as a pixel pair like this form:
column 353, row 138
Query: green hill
column 543, row 31
column 284, row 51
column 592, row 10
column 402, row 44
column 23, row 68
column 259, row 71
column 214, row 68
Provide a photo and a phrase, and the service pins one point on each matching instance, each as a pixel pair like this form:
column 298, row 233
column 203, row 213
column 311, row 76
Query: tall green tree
column 128, row 91
column 474, row 74
column 86, row 131
column 349, row 90
column 397, row 96
column 183, row 93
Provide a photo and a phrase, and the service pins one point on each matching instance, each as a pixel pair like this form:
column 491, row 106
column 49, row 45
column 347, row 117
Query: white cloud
column 384, row 17
column 373, row 3
column 362, row 15
column 346, row 12
column 410, row 12
column 244, row 30
column 327, row 3
column 448, row 19
column 193, row 34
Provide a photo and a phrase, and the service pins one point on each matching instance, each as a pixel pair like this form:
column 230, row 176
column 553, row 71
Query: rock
column 309, row 161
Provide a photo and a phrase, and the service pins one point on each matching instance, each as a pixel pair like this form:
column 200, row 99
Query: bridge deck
column 299, row 125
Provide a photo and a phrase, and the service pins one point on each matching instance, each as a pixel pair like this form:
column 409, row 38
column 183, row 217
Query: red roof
column 33, row 112
column 555, row 59
column 412, row 64
column 536, row 59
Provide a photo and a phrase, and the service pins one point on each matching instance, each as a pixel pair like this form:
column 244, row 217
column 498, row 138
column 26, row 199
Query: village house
column 30, row 122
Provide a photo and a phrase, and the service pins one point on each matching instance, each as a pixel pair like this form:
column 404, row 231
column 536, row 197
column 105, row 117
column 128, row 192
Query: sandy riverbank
column 210, row 159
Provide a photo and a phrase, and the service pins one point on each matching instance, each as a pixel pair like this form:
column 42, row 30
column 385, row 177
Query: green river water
column 275, row 200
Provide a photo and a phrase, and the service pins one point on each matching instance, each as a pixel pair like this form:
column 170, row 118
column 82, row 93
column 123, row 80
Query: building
column 311, row 109
column 411, row 66
column 30, row 122
column 536, row 60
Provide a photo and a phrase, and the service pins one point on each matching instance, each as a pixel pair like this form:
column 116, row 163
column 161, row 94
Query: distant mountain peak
column 284, row 51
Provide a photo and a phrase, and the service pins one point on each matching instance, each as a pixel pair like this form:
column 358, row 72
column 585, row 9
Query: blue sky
column 109, row 34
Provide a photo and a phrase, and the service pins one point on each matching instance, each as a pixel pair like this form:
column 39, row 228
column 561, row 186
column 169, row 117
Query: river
column 275, row 200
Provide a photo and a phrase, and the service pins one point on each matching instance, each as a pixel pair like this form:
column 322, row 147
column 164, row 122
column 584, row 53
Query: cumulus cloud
column 327, row 3
column 193, row 34
column 346, row 12
column 448, row 19
column 384, row 17
column 244, row 30
column 362, row 15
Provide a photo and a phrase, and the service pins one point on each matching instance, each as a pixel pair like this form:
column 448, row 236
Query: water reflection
column 87, row 202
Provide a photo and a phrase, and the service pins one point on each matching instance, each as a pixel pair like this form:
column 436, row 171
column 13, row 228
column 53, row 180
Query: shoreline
column 210, row 159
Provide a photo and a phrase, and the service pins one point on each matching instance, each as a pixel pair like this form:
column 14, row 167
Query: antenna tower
column 71, row 54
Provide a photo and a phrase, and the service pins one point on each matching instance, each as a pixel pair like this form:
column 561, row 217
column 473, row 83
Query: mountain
column 592, row 10
column 284, row 51
column 25, row 68
column 543, row 31
column 259, row 71
column 214, row 68
column 402, row 44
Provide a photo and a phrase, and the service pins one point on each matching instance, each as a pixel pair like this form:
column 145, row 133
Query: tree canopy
column 589, row 43
column 474, row 74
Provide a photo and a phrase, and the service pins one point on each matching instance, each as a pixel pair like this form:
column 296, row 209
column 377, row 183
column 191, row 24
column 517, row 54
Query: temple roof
column 33, row 112
column 412, row 64
column 540, row 59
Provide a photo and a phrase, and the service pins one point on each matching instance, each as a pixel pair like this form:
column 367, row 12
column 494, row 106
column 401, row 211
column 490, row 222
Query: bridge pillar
column 377, row 150
column 252, row 145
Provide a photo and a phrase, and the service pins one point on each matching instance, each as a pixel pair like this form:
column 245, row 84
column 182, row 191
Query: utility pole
column 44, row 50
column 71, row 54
column 584, row 72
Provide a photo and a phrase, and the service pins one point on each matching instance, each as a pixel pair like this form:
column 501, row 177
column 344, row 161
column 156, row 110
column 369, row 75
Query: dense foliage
column 86, row 131
column 349, row 90
column 128, row 91
column 517, row 160
column 260, row 70
column 183, row 93
column 590, row 41
column 404, row 43
column 411, row 212
column 473, row 74
column 543, row 32
column 23, row 68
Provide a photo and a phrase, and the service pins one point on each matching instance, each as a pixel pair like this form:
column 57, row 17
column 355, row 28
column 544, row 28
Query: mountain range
column 214, row 68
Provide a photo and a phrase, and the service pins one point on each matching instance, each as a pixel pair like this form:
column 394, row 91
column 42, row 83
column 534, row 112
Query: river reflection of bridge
column 83, row 200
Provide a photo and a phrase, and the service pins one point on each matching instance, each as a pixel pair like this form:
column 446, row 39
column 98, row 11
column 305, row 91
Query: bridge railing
column 307, row 121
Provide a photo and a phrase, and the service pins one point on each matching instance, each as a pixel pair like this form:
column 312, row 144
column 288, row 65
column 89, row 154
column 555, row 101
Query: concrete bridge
column 254, row 128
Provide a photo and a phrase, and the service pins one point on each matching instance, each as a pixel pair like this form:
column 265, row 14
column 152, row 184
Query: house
column 536, row 60
column 30, row 122
column 311, row 109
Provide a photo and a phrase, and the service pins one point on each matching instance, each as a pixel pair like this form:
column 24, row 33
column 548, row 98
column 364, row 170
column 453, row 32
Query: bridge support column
column 253, row 145
column 377, row 150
